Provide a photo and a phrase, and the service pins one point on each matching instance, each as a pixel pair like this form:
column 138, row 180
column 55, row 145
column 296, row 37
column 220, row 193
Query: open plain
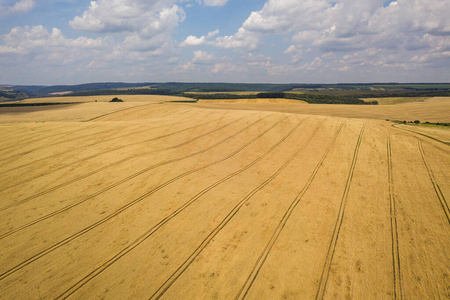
column 153, row 200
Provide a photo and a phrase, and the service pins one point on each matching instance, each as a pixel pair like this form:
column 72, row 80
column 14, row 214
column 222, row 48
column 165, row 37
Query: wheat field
column 154, row 200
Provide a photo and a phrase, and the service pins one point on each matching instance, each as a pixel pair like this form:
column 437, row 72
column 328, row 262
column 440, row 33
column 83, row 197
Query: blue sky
column 278, row 41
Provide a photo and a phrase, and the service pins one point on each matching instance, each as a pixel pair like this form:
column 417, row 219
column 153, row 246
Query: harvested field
column 126, row 98
column 432, row 110
column 176, row 201
column 83, row 109
column 252, row 101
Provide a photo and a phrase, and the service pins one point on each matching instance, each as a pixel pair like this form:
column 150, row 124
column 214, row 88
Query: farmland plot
column 172, row 201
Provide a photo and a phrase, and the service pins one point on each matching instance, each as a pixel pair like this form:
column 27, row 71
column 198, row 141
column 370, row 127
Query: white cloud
column 20, row 7
column 214, row 2
column 403, row 29
column 228, row 67
column 37, row 40
column 243, row 39
column 203, row 57
column 344, row 24
column 146, row 27
column 195, row 41
column 295, row 53
column 129, row 16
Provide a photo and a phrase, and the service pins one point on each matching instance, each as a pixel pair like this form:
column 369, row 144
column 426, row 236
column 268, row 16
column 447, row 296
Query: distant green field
column 396, row 100
column 227, row 93
column 415, row 86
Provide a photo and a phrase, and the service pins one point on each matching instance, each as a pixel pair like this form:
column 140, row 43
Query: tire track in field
column 118, row 111
column 332, row 248
column 15, row 133
column 19, row 131
column 109, row 166
column 84, row 146
column 27, row 142
column 26, row 133
column 181, row 269
column 78, row 148
column 137, row 200
column 61, row 142
column 161, row 223
column 394, row 231
column 243, row 292
column 98, row 154
column 436, row 187
column 159, row 111
column 422, row 134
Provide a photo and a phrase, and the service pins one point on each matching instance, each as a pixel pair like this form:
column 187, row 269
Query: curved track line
column 242, row 294
column 332, row 248
column 137, row 200
column 94, row 143
column 181, row 269
column 118, row 111
column 109, row 187
column 436, row 187
column 394, row 232
column 27, row 142
column 162, row 111
column 98, row 154
column 422, row 134
column 160, row 224
column 112, row 165
column 16, row 132
column 88, row 136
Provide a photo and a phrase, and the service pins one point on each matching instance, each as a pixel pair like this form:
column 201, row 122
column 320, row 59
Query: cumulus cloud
column 38, row 40
column 203, row 40
column 20, row 7
column 243, row 39
column 295, row 53
column 344, row 24
column 145, row 25
column 214, row 2
column 417, row 29
column 129, row 16
column 203, row 57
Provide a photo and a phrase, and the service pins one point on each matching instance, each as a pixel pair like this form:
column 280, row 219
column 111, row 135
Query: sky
column 49, row 42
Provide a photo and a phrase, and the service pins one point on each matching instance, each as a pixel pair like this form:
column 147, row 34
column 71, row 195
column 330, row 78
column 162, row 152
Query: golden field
column 252, row 101
column 156, row 200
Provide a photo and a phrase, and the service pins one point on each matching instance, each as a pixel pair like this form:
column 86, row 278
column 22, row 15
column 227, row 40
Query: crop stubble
column 170, row 201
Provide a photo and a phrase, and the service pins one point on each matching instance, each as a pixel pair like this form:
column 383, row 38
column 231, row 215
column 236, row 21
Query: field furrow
column 423, row 228
column 193, row 201
column 121, row 209
column 110, row 164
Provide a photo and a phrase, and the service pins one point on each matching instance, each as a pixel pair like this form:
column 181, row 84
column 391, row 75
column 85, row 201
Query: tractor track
column 95, row 155
column 118, row 111
column 16, row 133
column 181, row 269
column 115, row 164
column 27, row 142
column 398, row 294
column 159, row 108
column 242, row 294
column 135, row 201
column 84, row 146
column 87, row 136
column 422, row 134
column 433, row 180
column 101, row 169
column 160, row 224
column 332, row 247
